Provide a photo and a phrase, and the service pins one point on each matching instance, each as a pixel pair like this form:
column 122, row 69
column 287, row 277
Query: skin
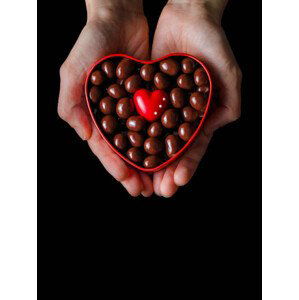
column 195, row 29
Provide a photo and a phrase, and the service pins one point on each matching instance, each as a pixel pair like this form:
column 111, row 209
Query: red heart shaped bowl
column 148, row 96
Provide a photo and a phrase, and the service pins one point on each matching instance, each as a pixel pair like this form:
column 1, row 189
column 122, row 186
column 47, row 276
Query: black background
column 92, row 231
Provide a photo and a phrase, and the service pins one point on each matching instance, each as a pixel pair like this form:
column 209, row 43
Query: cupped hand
column 109, row 32
column 196, row 30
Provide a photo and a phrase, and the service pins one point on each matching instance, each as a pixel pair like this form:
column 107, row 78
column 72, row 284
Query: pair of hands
column 122, row 28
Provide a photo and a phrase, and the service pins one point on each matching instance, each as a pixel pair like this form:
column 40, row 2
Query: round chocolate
column 135, row 154
column 170, row 118
column 169, row 66
column 107, row 105
column 135, row 138
column 188, row 65
column 94, row 94
column 120, row 141
column 185, row 81
column 152, row 161
column 135, row 123
column 147, row 72
column 177, row 97
column 109, row 124
column 155, row 129
column 185, row 131
column 124, row 108
column 200, row 77
column 133, row 83
column 108, row 68
column 203, row 89
column 125, row 68
column 161, row 81
column 189, row 114
column 197, row 101
column 153, row 146
column 116, row 91
column 172, row 144
column 97, row 77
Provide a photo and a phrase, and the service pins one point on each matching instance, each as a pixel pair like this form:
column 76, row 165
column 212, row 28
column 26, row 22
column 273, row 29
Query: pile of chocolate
column 111, row 88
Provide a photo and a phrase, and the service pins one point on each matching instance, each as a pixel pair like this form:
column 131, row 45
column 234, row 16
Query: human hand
column 194, row 27
column 112, row 27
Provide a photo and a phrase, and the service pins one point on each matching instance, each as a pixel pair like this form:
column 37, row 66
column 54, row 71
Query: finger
column 189, row 162
column 157, row 179
column 133, row 183
column 147, row 185
column 168, row 186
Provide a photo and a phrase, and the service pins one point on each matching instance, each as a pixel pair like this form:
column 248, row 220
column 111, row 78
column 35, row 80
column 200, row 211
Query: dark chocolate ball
column 135, row 154
column 116, row 91
column 155, row 129
column 185, row 81
column 135, row 123
column 197, row 101
column 97, row 77
column 147, row 72
column 94, row 94
column 177, row 97
column 108, row 68
column 170, row 118
column 200, row 77
column 120, row 141
column 188, row 65
column 125, row 68
column 153, row 146
column 133, row 83
column 152, row 161
column 169, row 66
column 125, row 108
column 203, row 89
column 185, row 131
column 109, row 124
column 172, row 144
column 107, row 105
column 161, row 81
column 189, row 114
column 135, row 138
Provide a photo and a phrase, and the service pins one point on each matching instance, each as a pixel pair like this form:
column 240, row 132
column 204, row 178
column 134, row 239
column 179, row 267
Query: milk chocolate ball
column 125, row 108
column 125, row 68
column 172, row 144
column 133, row 83
column 153, row 146
column 169, row 66
column 116, row 91
column 185, row 131
column 188, row 65
column 135, row 123
column 152, row 161
column 120, row 141
column 197, row 101
column 109, row 124
column 185, row 81
column 170, row 118
column 161, row 81
column 203, row 89
column 135, row 155
column 94, row 94
column 135, row 138
column 200, row 77
column 177, row 97
column 147, row 72
column 108, row 68
column 107, row 105
column 97, row 77
column 155, row 129
column 189, row 114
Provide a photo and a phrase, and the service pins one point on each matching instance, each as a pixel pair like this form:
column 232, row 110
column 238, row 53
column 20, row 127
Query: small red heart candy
column 151, row 105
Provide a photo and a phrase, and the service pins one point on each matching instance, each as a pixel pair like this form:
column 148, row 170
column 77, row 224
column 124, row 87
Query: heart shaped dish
column 148, row 112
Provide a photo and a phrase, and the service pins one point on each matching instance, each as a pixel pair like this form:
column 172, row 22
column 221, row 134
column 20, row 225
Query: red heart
column 151, row 105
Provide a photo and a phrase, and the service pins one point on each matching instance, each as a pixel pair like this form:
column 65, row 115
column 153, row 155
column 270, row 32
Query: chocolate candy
column 170, row 118
column 153, row 146
column 108, row 68
column 161, row 81
column 133, row 83
column 177, row 97
column 124, row 108
column 203, row 89
column 97, row 77
column 155, row 129
column 169, row 66
column 120, row 141
column 94, row 94
column 152, row 161
column 147, row 72
column 185, row 131
column 189, row 114
column 109, row 124
column 185, row 81
column 172, row 144
column 125, row 68
column 200, row 77
column 135, row 123
column 188, row 65
column 197, row 101
column 107, row 105
column 116, row 91
column 135, row 138
column 135, row 155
